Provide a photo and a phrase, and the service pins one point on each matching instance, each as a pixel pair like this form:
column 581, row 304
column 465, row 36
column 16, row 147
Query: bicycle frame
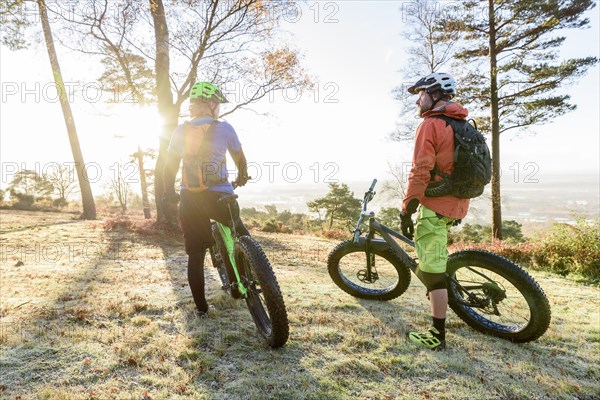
column 229, row 240
column 229, row 236
column 386, row 233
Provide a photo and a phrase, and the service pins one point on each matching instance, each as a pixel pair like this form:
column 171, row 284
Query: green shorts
column 431, row 240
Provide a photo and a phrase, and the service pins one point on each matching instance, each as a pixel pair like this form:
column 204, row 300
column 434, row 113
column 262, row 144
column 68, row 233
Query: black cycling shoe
column 203, row 314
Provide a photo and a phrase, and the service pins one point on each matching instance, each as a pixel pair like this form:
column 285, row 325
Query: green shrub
column 478, row 234
column 571, row 249
column 21, row 201
column 272, row 225
column 521, row 253
column 390, row 216
column 566, row 249
column 337, row 234
column 273, row 221
column 60, row 202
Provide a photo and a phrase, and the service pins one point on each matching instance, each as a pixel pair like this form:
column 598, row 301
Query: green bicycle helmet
column 204, row 91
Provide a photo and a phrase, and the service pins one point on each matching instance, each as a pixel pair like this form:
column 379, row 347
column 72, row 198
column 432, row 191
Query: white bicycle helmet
column 437, row 81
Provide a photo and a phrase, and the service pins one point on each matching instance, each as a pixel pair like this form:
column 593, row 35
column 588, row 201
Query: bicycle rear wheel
column 495, row 296
column 347, row 266
column 264, row 299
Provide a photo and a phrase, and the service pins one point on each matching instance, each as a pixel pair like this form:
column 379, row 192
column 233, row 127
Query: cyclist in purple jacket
column 202, row 144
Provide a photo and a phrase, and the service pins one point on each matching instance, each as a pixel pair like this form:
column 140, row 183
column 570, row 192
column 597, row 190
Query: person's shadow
column 225, row 350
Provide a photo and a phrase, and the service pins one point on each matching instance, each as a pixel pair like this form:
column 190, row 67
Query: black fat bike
column 489, row 292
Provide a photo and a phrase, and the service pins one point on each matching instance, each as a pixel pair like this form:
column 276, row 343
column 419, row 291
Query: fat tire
column 254, row 257
column 347, row 247
column 539, row 307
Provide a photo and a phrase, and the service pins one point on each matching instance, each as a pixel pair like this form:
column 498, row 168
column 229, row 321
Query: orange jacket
column 434, row 147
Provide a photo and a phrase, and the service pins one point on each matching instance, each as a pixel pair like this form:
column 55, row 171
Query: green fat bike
column 489, row 292
column 246, row 273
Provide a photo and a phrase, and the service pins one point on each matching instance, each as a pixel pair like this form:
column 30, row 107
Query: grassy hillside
column 93, row 314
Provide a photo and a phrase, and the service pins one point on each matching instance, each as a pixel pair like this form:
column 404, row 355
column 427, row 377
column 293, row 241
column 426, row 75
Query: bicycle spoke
column 383, row 274
column 511, row 311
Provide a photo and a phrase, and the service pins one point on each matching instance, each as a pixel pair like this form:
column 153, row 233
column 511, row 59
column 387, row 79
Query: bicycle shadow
column 465, row 346
column 225, row 346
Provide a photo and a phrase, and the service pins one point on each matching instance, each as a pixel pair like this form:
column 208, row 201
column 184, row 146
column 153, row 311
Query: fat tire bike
column 246, row 273
column 487, row 291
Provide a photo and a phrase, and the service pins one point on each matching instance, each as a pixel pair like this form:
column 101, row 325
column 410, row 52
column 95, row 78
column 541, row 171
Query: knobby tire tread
column 251, row 249
column 347, row 247
column 519, row 278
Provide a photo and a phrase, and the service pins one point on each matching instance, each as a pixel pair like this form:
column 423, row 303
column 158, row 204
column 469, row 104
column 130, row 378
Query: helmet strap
column 433, row 101
column 213, row 109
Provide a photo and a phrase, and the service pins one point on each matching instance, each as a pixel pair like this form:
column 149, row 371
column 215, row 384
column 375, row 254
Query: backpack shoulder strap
column 456, row 126
column 443, row 117
column 454, row 123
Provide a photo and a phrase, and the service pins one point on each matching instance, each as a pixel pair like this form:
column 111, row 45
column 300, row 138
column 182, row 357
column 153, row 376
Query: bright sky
column 355, row 51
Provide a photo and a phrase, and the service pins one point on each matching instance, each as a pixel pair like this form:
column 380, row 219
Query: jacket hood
column 452, row 110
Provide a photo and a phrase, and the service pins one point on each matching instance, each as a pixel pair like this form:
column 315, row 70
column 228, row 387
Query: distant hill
column 534, row 199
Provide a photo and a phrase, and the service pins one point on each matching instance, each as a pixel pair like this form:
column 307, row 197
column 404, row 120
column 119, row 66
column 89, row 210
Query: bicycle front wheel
column 264, row 299
column 496, row 296
column 389, row 276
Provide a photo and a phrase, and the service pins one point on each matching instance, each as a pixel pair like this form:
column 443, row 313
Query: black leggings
column 195, row 212
column 196, row 280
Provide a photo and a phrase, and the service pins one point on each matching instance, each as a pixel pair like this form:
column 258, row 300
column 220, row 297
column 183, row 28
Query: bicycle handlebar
column 235, row 185
column 369, row 194
column 373, row 185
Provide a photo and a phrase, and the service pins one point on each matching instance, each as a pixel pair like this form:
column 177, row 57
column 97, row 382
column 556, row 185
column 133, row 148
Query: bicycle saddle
column 226, row 198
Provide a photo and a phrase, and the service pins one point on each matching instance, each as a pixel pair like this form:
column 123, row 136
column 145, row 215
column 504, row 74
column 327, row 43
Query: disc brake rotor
column 362, row 276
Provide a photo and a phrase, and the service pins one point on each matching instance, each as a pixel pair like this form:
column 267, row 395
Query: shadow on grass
column 519, row 370
column 125, row 322
column 46, row 341
column 26, row 228
column 226, row 353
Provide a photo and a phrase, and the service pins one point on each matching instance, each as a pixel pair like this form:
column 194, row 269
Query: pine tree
column 512, row 70
column 339, row 204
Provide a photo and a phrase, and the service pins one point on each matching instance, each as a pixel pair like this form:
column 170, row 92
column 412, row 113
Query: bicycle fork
column 371, row 273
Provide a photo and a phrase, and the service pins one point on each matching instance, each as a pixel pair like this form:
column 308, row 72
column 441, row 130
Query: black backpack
column 472, row 163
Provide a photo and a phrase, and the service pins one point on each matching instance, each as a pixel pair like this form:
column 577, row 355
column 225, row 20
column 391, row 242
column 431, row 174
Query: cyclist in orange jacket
column 434, row 149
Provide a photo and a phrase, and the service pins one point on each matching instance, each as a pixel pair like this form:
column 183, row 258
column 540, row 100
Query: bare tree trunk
column 167, row 110
column 145, row 203
column 121, row 190
column 496, row 199
column 87, row 199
